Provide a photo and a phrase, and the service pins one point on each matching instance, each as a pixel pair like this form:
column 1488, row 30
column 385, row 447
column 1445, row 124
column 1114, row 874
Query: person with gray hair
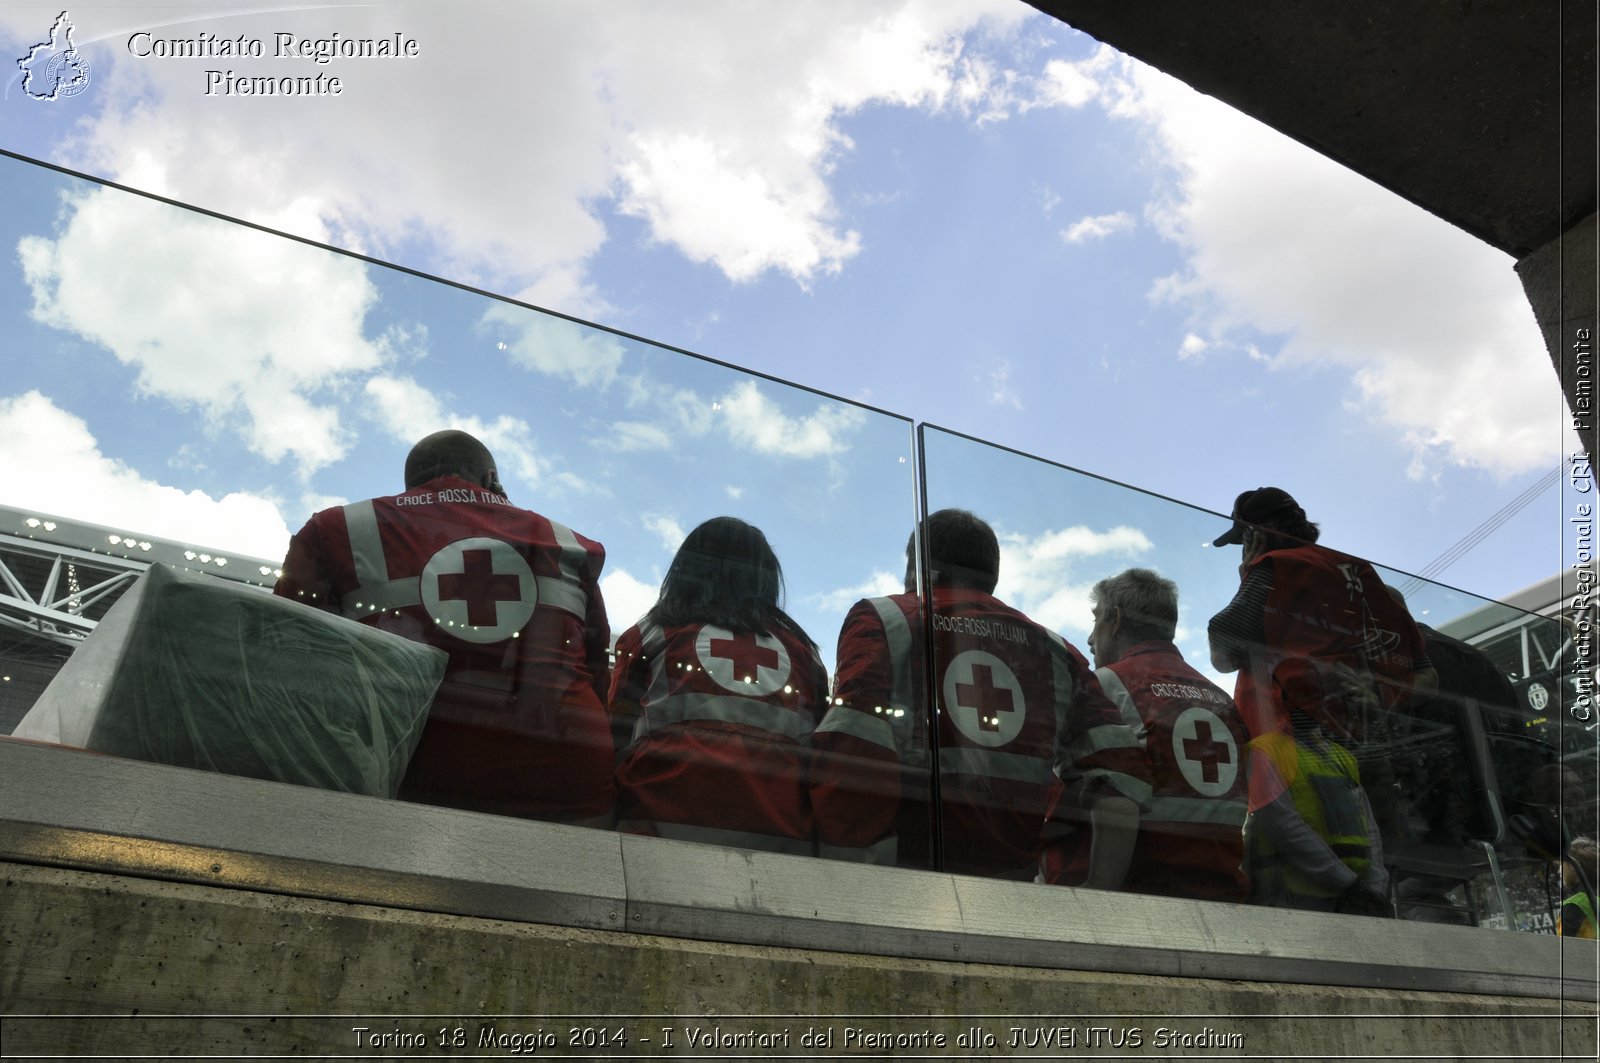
column 1190, row 842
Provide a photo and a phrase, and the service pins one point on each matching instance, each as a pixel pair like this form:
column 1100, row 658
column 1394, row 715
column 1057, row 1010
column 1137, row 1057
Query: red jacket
column 1022, row 720
column 721, row 725
column 1325, row 609
column 519, row 725
column 1191, row 841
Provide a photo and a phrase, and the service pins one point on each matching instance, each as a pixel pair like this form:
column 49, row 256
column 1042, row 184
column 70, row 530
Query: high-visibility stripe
column 897, row 640
column 566, row 593
column 1099, row 739
column 724, row 708
column 653, row 648
column 1194, row 810
column 1061, row 677
column 563, row 595
column 366, row 545
column 857, row 723
column 379, row 597
column 397, row 594
column 1133, row 789
column 963, row 760
column 376, row 593
column 662, row 707
column 1117, row 691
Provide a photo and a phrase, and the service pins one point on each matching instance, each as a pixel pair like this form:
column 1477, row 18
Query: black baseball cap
column 1261, row 506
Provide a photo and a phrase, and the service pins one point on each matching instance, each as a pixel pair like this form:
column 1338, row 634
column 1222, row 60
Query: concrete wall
column 153, row 958
column 1561, row 282
column 159, row 912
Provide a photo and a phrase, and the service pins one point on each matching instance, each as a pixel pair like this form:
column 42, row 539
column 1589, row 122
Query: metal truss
column 59, row 577
column 43, row 592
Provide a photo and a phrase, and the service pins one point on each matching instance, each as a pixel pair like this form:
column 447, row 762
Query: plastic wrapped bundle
column 198, row 672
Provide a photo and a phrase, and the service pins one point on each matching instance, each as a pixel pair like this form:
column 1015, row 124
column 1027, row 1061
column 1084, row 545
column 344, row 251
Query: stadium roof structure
column 59, row 577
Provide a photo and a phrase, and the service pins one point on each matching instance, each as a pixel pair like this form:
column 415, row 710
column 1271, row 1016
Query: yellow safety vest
column 1585, row 905
column 1325, row 787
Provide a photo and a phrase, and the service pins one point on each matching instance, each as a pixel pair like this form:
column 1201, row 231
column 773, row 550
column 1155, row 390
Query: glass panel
column 1058, row 532
column 195, row 388
column 1307, row 730
column 1538, row 734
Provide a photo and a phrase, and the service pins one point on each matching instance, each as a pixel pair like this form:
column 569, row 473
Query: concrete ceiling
column 1480, row 111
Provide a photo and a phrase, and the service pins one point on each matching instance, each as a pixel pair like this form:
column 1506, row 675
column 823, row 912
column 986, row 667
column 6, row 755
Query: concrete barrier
column 113, row 965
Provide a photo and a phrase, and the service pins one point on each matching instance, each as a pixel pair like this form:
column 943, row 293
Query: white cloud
column 1431, row 324
column 242, row 325
column 1076, row 541
column 715, row 210
column 1065, row 83
column 584, row 355
column 658, row 108
column 1192, row 347
column 636, row 435
column 627, row 599
column 1039, row 574
column 675, row 413
column 80, row 481
column 743, row 183
column 665, row 528
column 878, row 584
column 1097, row 227
column 408, row 411
column 316, row 502
column 753, row 420
column 1001, row 393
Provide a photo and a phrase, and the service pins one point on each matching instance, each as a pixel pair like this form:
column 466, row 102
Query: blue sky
column 962, row 212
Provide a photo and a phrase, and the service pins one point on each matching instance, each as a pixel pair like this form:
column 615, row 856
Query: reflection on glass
column 1172, row 748
column 1512, row 771
column 510, row 598
column 716, row 693
column 1190, row 836
column 203, row 387
column 871, row 769
column 243, row 382
column 1401, row 748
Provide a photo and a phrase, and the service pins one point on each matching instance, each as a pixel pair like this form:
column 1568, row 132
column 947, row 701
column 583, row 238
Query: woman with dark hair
column 722, row 690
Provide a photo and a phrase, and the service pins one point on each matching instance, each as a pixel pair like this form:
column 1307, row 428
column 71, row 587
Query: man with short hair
column 1190, row 841
column 1022, row 724
column 519, row 725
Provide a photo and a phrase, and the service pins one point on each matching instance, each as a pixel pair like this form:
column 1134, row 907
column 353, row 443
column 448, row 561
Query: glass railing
column 998, row 696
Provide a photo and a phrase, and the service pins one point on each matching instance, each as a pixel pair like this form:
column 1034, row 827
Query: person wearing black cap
column 1304, row 615
column 1323, row 654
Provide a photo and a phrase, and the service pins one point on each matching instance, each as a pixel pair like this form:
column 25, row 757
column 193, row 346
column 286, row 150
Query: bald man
column 519, row 725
